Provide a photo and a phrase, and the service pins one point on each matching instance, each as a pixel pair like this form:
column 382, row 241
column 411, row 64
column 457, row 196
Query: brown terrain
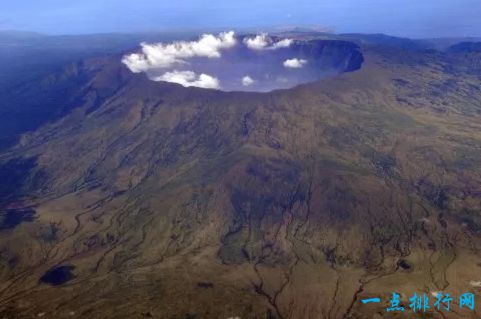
column 151, row 200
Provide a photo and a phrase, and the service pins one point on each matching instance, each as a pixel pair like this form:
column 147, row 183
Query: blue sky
column 412, row 18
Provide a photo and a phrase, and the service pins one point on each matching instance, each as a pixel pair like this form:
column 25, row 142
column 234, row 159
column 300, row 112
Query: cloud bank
column 294, row 63
column 222, row 61
column 168, row 55
column 263, row 42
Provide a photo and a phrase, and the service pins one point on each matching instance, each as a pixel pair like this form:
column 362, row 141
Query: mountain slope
column 171, row 202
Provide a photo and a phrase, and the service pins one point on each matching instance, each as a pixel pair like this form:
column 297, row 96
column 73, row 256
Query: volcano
column 140, row 198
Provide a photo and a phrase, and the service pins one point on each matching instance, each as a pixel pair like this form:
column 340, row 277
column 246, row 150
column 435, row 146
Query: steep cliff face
column 337, row 56
column 150, row 199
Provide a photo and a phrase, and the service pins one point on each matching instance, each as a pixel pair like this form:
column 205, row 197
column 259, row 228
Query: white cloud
column 247, row 81
column 294, row 63
column 259, row 42
column 285, row 43
column 189, row 78
column 264, row 42
column 167, row 55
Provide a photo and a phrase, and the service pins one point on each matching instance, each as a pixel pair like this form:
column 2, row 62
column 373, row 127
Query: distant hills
column 467, row 47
